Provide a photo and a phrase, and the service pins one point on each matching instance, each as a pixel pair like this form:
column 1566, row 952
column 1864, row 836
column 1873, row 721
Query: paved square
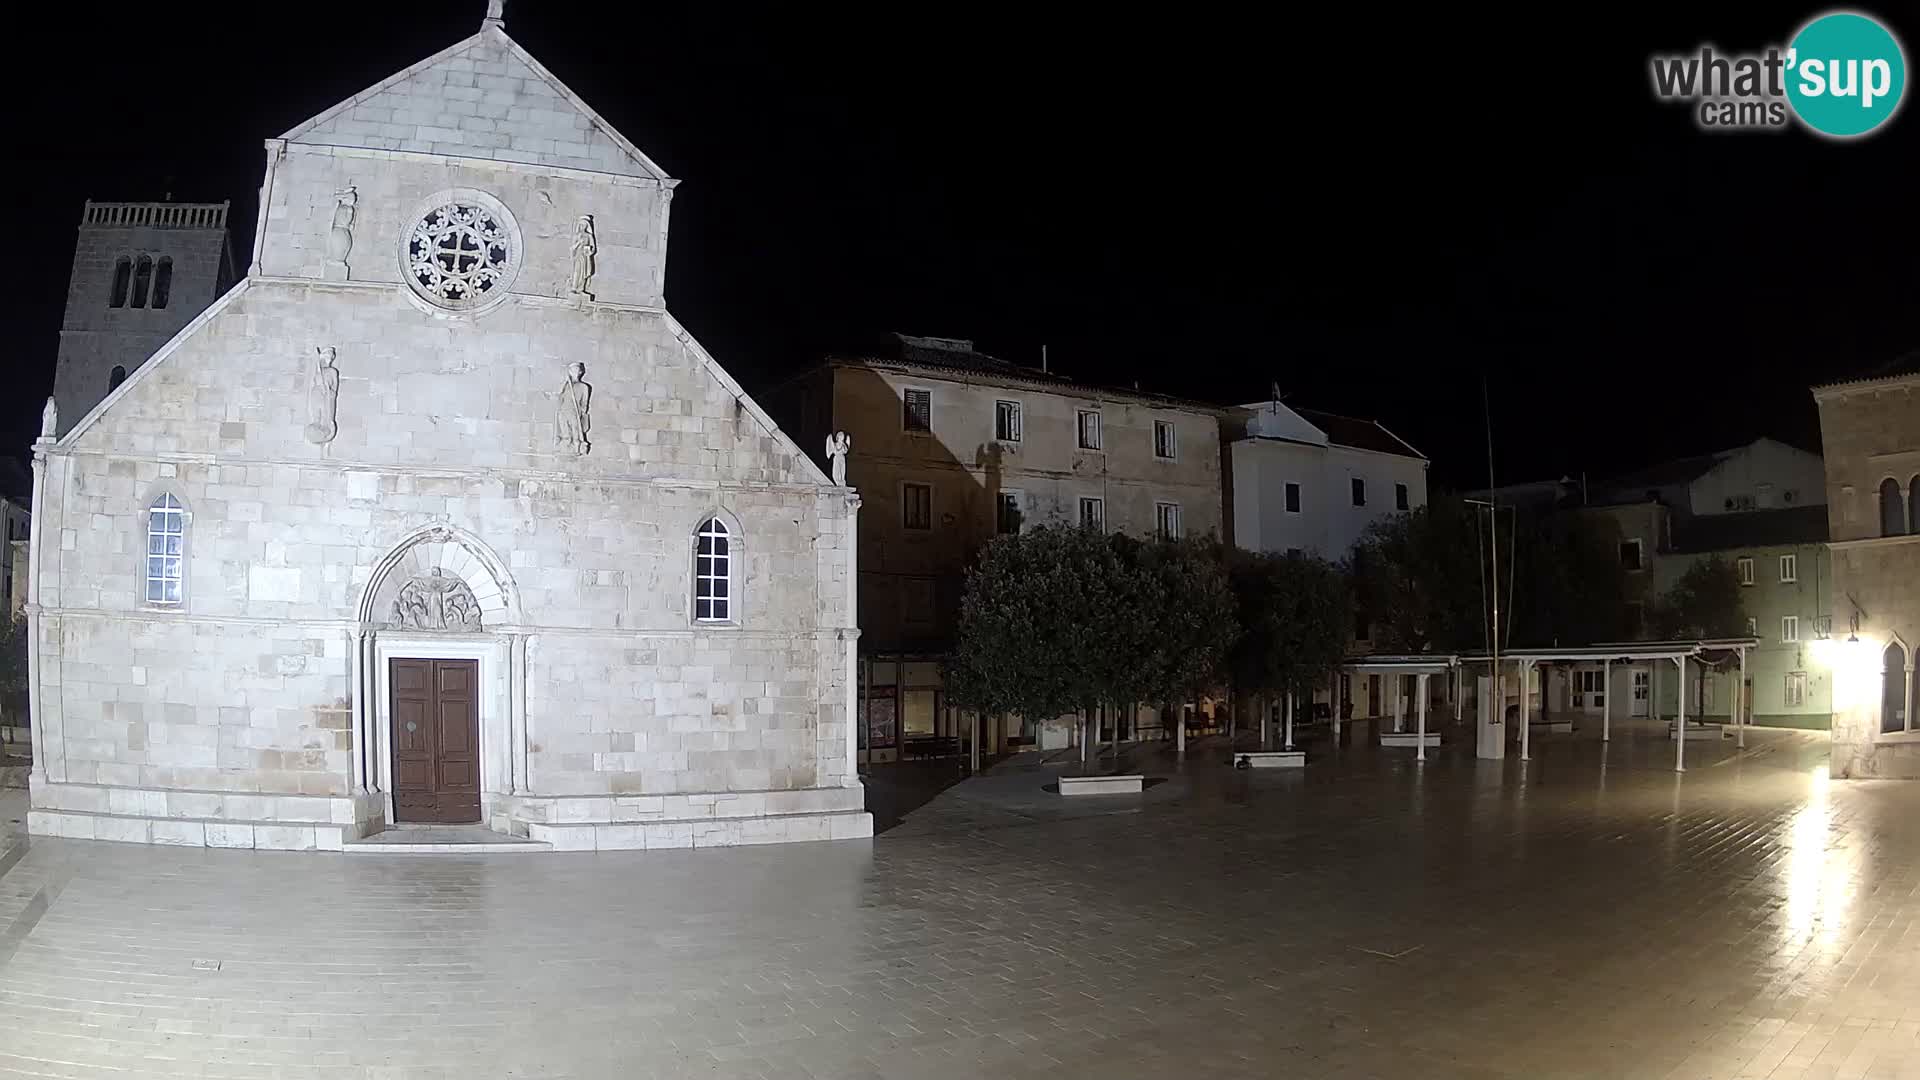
column 1363, row 917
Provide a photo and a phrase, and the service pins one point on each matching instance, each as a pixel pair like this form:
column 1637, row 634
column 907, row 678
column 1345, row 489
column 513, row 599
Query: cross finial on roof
column 496, row 13
column 1275, row 391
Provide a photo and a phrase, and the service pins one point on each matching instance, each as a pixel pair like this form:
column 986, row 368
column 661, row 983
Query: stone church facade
column 439, row 515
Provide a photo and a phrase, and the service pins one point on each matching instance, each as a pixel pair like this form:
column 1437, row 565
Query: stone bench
column 1271, row 759
column 1130, row 784
column 1408, row 738
column 1697, row 731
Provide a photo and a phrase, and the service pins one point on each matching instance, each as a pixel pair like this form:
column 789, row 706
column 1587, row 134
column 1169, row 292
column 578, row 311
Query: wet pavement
column 1585, row 914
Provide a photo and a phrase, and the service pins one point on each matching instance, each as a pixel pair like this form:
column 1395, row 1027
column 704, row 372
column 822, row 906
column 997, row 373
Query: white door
column 1641, row 678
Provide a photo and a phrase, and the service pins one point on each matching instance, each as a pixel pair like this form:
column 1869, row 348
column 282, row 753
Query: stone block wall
column 246, row 687
column 1870, row 432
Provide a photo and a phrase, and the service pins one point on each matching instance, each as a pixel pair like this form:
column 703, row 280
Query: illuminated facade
column 1871, row 428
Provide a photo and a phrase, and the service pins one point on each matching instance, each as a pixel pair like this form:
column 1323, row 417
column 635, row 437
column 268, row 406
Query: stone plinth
column 1271, row 759
column 1102, row 785
column 1408, row 738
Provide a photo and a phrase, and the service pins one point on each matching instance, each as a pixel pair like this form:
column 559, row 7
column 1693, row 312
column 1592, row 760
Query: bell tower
column 141, row 271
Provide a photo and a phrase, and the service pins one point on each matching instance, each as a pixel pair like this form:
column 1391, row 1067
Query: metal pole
column 1289, row 720
column 1420, row 752
column 1680, row 724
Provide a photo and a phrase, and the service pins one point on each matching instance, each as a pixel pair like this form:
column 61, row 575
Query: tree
column 1705, row 603
column 1295, row 619
column 1175, row 645
column 1418, row 580
column 1422, row 579
column 1568, row 585
column 1058, row 620
column 1039, row 610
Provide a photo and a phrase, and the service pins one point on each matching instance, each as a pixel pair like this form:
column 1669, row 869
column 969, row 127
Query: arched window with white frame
column 166, row 551
column 713, row 556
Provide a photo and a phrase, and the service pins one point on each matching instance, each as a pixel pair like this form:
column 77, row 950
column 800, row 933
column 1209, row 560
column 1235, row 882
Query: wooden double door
column 436, row 740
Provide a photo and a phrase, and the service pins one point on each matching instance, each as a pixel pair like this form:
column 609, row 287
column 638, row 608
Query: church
column 437, row 516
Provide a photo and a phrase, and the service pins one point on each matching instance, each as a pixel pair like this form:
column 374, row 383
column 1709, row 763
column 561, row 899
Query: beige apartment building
column 950, row 447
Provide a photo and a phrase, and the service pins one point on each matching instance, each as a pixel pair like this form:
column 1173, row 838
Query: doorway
column 1641, row 680
column 436, row 740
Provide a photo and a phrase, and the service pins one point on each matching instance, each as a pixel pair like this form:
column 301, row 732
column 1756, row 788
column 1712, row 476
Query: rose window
column 459, row 255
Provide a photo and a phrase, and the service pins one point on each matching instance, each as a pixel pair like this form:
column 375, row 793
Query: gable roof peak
column 483, row 97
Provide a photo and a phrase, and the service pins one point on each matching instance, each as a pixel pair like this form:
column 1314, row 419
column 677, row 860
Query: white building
column 1300, row 480
column 440, row 515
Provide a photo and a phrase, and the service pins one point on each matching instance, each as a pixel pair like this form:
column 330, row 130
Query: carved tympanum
column 436, row 601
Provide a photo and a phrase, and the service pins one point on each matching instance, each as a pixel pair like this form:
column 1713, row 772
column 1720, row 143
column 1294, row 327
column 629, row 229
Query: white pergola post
column 973, row 751
column 1606, row 701
column 1180, row 730
column 1334, row 695
column 1740, row 703
column 1399, row 702
column 1459, row 691
column 1526, row 679
column 1289, row 721
column 1680, row 723
column 1420, row 707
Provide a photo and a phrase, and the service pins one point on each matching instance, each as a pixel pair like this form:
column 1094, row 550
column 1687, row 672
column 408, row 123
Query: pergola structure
column 1424, row 666
column 1609, row 653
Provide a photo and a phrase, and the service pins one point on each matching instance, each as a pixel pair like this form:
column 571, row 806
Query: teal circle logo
column 1845, row 74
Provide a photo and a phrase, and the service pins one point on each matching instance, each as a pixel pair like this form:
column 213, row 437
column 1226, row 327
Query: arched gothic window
column 162, row 282
column 122, row 277
column 1893, row 509
column 712, row 572
column 115, row 377
column 1893, row 689
column 166, row 550
column 142, row 280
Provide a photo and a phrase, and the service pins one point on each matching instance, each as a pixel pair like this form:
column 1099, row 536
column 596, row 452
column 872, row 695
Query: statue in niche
column 49, row 419
column 323, row 398
column 838, row 444
column 340, row 239
column 570, row 422
column 585, row 247
column 436, row 601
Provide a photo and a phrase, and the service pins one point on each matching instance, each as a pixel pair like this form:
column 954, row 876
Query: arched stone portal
column 439, row 603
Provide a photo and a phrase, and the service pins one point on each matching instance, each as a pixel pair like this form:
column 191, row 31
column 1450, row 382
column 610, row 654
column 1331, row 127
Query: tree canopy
column 1295, row 618
column 1061, row 619
column 1705, row 603
column 1421, row 579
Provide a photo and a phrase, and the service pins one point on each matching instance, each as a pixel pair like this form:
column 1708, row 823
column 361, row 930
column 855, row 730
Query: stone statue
column 340, row 239
column 585, row 247
column 323, row 398
column 496, row 11
column 436, row 602
column 50, row 419
column 838, row 444
column 570, row 423
column 1276, row 391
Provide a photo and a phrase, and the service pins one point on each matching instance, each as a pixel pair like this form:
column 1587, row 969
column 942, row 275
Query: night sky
column 1373, row 207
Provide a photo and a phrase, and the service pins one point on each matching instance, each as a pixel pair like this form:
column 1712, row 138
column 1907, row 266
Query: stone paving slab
column 1365, row 916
